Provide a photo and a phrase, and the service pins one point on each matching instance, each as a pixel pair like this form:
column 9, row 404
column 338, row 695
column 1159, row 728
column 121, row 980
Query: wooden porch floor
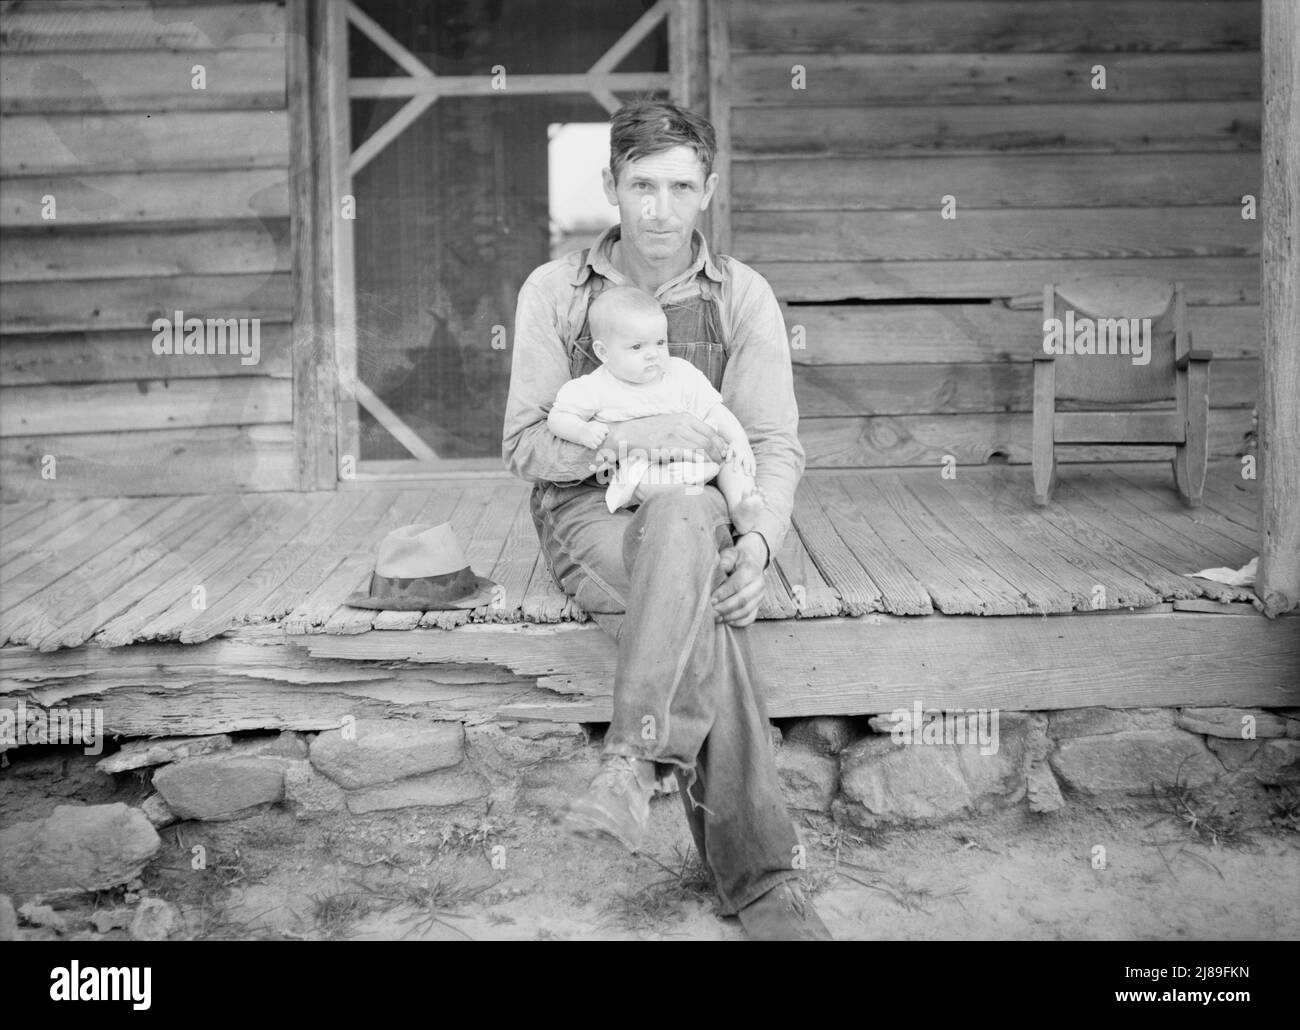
column 117, row 571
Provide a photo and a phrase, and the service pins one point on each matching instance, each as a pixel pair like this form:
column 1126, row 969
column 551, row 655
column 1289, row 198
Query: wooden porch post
column 1278, row 582
column 314, row 378
column 720, row 116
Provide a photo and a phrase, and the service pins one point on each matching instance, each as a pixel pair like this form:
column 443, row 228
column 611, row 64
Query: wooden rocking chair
column 1109, row 370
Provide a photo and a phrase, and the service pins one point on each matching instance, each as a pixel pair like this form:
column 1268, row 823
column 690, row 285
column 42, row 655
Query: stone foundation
column 904, row 768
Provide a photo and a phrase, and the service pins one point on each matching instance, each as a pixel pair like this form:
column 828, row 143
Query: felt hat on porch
column 422, row 568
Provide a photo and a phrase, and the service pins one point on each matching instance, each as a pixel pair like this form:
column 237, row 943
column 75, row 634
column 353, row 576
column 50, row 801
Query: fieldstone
column 455, row 786
column 288, row 744
column 157, row 812
column 1132, row 762
column 1044, row 792
column 888, row 722
column 217, row 786
column 110, row 919
column 551, row 785
column 154, row 920
column 36, row 914
column 1234, row 754
column 137, row 754
column 1232, row 723
column 310, row 793
column 1279, row 763
column 76, row 849
column 384, row 750
column 506, row 749
column 1275, row 762
column 809, row 779
column 1091, row 722
column 916, row 781
column 827, row 734
column 8, row 919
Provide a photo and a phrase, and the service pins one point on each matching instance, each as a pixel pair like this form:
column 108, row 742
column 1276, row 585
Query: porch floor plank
column 231, row 580
column 1166, row 559
column 513, row 570
column 226, row 529
column 305, row 557
column 79, row 593
column 959, row 583
column 273, row 558
column 813, row 597
column 1048, row 528
column 143, row 569
column 11, row 515
column 1206, row 515
column 851, row 554
column 56, row 528
column 116, row 571
column 70, row 549
column 947, row 507
column 1235, row 498
column 1127, row 569
column 1168, row 509
column 544, row 601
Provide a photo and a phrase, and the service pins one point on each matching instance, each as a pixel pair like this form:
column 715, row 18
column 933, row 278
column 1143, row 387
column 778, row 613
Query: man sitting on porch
column 685, row 690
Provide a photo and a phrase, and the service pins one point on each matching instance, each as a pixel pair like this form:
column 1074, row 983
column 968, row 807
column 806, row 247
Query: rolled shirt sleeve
column 758, row 387
column 538, row 368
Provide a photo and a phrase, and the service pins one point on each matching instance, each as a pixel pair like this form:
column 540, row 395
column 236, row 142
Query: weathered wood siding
column 167, row 198
column 918, row 331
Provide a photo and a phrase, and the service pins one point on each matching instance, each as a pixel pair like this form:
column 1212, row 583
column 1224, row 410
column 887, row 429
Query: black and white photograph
column 650, row 470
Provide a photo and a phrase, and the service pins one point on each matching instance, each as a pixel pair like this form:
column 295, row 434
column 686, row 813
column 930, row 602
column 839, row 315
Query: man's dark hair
column 643, row 127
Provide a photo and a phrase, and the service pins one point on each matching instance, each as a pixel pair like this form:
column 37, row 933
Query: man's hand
column 680, row 437
column 736, row 601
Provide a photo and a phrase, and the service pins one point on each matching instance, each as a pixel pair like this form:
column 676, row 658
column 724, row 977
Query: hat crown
column 416, row 551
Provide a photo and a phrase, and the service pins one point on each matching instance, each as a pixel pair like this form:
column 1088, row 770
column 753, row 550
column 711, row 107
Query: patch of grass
column 906, row 896
column 1285, row 813
column 336, row 914
column 656, row 905
column 478, row 836
column 1201, row 817
column 432, row 901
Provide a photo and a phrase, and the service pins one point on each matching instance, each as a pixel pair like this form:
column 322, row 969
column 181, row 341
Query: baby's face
column 637, row 352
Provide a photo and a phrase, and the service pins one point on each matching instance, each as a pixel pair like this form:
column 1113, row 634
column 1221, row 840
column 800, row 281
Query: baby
column 638, row 378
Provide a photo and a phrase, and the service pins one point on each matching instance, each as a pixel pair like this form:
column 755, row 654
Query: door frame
column 328, row 395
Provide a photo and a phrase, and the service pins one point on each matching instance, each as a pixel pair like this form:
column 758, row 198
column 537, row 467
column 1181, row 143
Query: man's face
column 637, row 352
column 659, row 200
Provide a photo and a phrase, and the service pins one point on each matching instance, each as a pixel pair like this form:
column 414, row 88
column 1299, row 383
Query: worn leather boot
column 616, row 804
column 783, row 914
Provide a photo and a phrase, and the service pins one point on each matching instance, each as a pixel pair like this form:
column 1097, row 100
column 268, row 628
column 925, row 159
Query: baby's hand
column 594, row 433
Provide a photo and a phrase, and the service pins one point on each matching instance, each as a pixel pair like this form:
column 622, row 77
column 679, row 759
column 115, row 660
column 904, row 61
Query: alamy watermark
column 84, row 726
column 1072, row 335
column 181, row 335
column 971, row 726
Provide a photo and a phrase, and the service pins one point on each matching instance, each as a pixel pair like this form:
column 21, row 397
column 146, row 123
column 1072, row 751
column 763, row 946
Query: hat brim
column 483, row 593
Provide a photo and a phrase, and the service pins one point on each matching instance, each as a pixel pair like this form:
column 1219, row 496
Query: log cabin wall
column 851, row 122
column 166, row 198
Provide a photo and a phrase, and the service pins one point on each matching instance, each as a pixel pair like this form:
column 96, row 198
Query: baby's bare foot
column 744, row 516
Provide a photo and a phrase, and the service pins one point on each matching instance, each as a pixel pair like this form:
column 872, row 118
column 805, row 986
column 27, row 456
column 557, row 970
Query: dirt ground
column 424, row 874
